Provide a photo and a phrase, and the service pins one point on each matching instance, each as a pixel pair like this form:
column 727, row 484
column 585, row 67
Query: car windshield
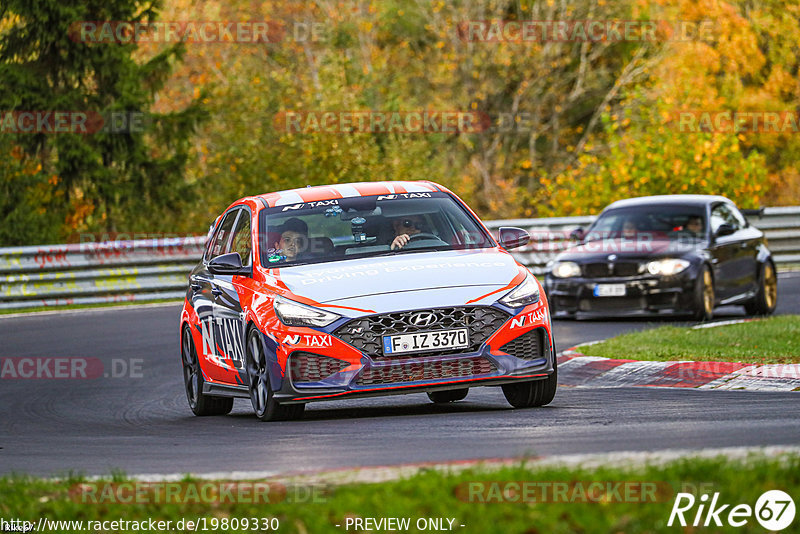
column 357, row 227
column 670, row 221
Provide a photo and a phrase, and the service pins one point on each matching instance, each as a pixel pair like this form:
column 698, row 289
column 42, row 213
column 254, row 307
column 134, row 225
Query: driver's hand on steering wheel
column 400, row 241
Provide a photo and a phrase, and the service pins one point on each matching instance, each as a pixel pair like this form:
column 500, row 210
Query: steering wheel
column 423, row 235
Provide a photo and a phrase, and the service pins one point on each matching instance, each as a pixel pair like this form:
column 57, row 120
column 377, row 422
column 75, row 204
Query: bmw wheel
column 704, row 295
column 766, row 298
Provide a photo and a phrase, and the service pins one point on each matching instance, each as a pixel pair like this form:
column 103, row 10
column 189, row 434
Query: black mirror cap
column 227, row 264
column 577, row 234
column 725, row 229
column 511, row 237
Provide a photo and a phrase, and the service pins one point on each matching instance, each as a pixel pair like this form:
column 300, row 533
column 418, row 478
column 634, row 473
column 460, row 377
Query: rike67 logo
column 774, row 510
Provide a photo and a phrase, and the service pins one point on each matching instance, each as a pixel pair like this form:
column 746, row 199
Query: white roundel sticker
column 775, row 510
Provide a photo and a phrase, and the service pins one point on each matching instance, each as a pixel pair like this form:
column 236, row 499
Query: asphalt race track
column 142, row 423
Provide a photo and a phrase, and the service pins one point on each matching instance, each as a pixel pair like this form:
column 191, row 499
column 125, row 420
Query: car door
column 727, row 251
column 228, row 312
column 207, row 289
column 746, row 269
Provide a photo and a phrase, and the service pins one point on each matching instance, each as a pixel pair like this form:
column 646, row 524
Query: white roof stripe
column 346, row 190
column 289, row 198
column 416, row 188
column 390, row 187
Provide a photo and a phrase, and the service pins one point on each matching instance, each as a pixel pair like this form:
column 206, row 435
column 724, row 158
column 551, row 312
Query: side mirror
column 511, row 237
column 724, row 229
column 227, row 264
column 577, row 234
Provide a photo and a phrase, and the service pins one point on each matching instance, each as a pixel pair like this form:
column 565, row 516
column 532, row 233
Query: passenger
column 294, row 238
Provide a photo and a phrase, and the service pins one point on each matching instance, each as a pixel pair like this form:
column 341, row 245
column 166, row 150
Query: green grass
column 443, row 495
column 772, row 340
column 35, row 309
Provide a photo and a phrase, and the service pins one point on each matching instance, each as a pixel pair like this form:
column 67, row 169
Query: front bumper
column 644, row 296
column 420, row 374
column 313, row 367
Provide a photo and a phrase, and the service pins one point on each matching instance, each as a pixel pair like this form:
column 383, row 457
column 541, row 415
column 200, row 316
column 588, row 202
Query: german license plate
column 609, row 290
column 426, row 341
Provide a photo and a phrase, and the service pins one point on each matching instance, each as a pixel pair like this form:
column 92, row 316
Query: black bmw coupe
column 664, row 255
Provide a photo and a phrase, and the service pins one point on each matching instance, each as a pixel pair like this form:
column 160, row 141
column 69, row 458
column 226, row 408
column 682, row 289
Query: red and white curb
column 577, row 369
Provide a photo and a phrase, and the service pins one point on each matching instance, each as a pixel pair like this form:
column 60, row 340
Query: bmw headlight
column 566, row 269
column 667, row 267
column 525, row 293
column 295, row 314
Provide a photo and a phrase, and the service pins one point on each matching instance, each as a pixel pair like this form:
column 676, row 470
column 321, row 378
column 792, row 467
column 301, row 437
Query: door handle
column 216, row 291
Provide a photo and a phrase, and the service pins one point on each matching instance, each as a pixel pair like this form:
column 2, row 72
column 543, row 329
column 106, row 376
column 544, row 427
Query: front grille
column 366, row 333
column 528, row 346
column 431, row 370
column 602, row 270
column 310, row 367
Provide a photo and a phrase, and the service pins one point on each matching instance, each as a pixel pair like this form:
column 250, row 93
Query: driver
column 629, row 229
column 694, row 224
column 404, row 228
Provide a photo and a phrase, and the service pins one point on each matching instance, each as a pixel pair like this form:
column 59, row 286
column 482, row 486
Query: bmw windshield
column 665, row 221
column 358, row 227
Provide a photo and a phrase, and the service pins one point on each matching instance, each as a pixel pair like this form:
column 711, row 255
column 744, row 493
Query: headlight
column 295, row 314
column 525, row 293
column 566, row 269
column 667, row 267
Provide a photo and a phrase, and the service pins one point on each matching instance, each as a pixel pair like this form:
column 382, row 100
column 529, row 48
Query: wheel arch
column 276, row 373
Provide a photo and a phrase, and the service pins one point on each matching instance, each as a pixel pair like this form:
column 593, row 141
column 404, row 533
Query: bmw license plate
column 609, row 290
column 426, row 341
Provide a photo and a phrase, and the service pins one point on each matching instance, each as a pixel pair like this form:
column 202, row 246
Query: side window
column 222, row 240
column 242, row 238
column 738, row 217
column 722, row 214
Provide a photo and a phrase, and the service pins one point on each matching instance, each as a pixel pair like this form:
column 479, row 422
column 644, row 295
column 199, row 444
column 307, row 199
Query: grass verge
column 517, row 499
column 771, row 340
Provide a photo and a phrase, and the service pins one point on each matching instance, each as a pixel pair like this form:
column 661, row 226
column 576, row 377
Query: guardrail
column 149, row 269
column 92, row 273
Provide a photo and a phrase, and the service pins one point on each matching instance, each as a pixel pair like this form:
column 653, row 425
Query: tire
column 261, row 395
column 704, row 297
column 766, row 298
column 534, row 392
column 193, row 381
column 451, row 395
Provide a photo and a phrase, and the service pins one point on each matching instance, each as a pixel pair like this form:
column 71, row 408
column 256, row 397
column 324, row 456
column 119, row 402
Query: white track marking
column 98, row 309
column 622, row 459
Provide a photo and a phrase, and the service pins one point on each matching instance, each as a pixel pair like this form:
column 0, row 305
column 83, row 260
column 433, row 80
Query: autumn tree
column 128, row 177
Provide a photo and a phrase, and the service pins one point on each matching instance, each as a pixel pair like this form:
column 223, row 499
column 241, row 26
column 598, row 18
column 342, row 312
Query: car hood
column 601, row 249
column 405, row 281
